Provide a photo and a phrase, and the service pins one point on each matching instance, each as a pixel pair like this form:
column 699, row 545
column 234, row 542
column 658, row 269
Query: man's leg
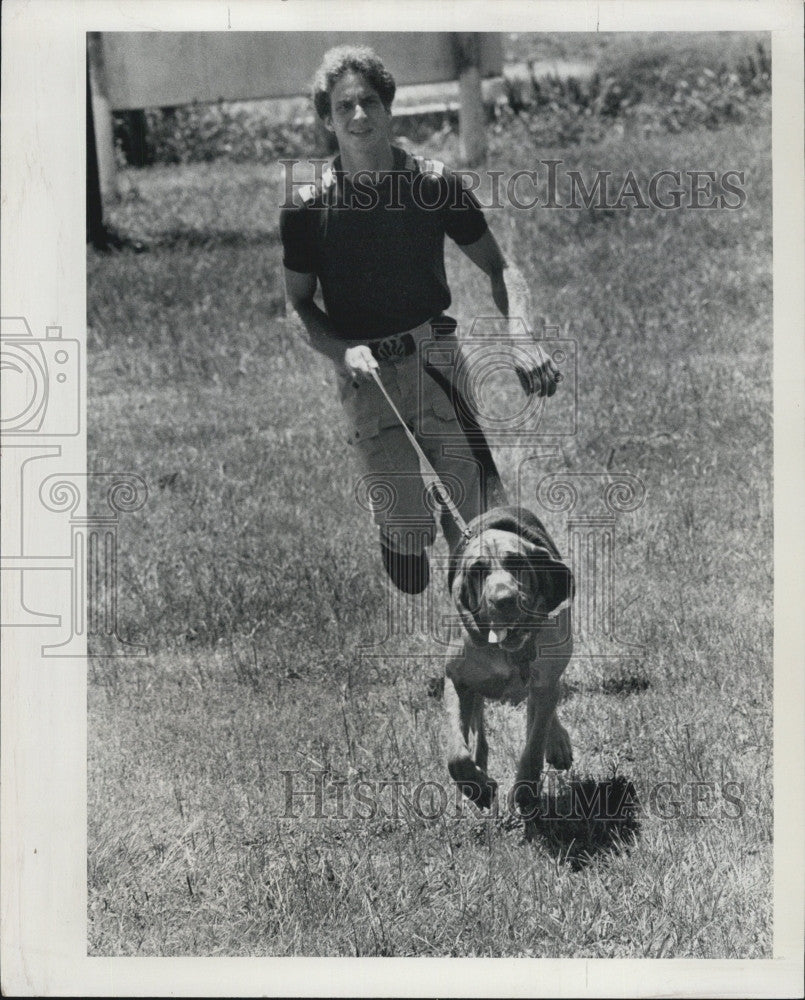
column 397, row 499
column 454, row 459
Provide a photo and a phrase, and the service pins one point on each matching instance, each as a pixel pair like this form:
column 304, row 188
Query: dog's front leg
column 465, row 717
column 478, row 733
column 541, row 705
column 558, row 750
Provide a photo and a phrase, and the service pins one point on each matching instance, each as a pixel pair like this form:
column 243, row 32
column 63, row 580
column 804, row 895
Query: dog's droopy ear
column 463, row 600
column 554, row 577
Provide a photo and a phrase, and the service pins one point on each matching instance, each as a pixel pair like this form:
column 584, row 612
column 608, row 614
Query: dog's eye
column 514, row 563
column 479, row 568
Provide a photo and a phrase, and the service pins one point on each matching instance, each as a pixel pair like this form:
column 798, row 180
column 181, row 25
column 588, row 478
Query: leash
column 428, row 472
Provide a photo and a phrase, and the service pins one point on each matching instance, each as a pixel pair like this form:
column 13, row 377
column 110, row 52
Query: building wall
column 157, row 69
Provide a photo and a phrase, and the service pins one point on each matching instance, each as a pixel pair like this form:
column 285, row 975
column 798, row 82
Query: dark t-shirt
column 378, row 249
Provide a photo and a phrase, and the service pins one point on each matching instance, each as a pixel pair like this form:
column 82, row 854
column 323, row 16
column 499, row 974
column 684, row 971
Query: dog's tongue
column 499, row 636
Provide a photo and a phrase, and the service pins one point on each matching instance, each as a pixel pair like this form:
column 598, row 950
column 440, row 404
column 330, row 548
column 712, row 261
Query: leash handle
column 443, row 495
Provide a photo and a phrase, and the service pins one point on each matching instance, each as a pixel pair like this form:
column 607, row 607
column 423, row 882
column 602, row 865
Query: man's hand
column 359, row 362
column 540, row 378
column 512, row 296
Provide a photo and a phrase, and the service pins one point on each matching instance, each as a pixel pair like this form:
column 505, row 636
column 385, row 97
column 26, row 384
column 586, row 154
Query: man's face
column 357, row 117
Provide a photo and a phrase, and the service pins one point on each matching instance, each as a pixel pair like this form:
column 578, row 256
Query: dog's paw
column 558, row 751
column 473, row 782
column 526, row 799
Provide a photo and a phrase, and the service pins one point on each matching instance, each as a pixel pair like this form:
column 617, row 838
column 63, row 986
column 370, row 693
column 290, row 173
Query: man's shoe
column 409, row 573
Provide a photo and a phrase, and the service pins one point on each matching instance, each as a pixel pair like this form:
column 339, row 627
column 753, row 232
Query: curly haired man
column 371, row 234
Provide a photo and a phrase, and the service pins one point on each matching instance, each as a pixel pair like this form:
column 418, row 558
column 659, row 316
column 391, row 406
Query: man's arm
column 509, row 290
column 321, row 335
column 511, row 295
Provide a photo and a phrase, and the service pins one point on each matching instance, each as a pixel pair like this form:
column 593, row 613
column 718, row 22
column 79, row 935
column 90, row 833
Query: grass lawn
column 256, row 581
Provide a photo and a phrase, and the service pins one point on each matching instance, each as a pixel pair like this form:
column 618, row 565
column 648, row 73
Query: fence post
column 96, row 232
column 102, row 117
column 467, row 55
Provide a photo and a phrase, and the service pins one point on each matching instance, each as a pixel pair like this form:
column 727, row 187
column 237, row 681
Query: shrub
column 661, row 93
column 665, row 88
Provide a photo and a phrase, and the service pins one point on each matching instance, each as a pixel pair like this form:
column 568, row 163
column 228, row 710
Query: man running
column 371, row 234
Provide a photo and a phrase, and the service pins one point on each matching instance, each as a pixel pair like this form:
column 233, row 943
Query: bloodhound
column 513, row 593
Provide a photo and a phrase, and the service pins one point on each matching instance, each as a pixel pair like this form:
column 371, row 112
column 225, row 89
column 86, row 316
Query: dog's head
column 507, row 578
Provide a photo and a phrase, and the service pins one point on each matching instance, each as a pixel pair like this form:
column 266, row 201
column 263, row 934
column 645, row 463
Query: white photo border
column 43, row 260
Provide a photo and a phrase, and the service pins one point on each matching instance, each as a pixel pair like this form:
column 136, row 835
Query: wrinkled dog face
column 505, row 588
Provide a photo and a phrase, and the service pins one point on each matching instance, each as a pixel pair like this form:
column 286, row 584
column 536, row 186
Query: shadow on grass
column 585, row 818
column 189, row 238
column 623, row 684
column 182, row 237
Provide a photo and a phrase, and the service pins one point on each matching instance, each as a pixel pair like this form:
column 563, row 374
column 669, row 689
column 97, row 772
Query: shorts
column 392, row 487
